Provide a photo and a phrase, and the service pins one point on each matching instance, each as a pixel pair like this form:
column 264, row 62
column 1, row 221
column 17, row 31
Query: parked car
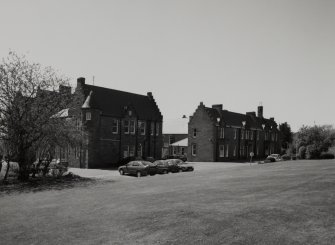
column 181, row 157
column 173, row 165
column 182, row 166
column 162, row 167
column 138, row 168
column 276, row 157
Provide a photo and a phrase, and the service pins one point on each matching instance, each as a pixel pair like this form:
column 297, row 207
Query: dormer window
column 88, row 116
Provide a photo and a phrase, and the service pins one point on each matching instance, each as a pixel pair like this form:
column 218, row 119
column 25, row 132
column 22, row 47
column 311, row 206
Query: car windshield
column 145, row 163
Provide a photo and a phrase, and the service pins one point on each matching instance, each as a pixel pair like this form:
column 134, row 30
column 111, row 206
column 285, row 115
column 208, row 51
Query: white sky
column 235, row 53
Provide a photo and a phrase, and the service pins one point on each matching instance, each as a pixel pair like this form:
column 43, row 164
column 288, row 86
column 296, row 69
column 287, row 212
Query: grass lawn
column 289, row 202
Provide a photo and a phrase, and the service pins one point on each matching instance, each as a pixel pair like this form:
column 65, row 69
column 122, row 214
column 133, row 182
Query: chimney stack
column 80, row 81
column 260, row 111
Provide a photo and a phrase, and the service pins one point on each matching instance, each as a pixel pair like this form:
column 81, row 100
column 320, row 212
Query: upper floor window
column 88, row 116
column 157, row 129
column 126, row 126
column 252, row 135
column 132, row 126
column 152, row 128
column 235, row 134
column 194, row 132
column 257, row 135
column 115, row 126
column 221, row 133
column 171, row 139
column 247, row 134
column 141, row 126
column 242, row 134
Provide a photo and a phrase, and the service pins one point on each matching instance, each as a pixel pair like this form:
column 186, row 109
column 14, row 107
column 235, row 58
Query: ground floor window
column 139, row 150
column 234, row 153
column 227, row 150
column 194, row 149
column 221, row 150
column 132, row 151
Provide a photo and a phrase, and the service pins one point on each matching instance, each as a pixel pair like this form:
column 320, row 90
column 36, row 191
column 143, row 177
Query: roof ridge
column 89, row 85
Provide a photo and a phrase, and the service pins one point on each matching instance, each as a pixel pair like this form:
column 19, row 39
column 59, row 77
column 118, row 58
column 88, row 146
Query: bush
column 312, row 152
column 286, row 157
column 302, row 152
column 327, row 155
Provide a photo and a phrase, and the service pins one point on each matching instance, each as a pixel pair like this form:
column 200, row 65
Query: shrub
column 312, row 152
column 286, row 157
column 302, row 152
column 327, row 155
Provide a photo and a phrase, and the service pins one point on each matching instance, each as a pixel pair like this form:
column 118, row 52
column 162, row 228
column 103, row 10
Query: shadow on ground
column 46, row 184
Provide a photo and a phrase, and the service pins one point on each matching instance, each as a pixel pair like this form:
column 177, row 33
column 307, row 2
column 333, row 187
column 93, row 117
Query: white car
column 277, row 157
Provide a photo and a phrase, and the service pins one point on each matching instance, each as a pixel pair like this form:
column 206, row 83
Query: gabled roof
column 236, row 119
column 114, row 102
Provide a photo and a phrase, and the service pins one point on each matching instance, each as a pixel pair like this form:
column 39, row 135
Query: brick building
column 116, row 125
column 169, row 140
column 217, row 135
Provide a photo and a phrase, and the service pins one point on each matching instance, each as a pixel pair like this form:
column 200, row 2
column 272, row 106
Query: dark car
column 162, row 167
column 138, row 168
column 181, row 157
column 184, row 166
column 173, row 165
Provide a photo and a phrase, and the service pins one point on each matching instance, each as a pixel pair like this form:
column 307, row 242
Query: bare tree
column 29, row 100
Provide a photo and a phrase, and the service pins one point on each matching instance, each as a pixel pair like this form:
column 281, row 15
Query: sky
column 237, row 53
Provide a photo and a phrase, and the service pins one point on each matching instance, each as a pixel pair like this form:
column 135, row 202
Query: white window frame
column 242, row 134
column 132, row 151
column 234, row 153
column 227, row 150
column 252, row 135
column 88, row 116
column 117, row 126
column 126, row 152
column 194, row 133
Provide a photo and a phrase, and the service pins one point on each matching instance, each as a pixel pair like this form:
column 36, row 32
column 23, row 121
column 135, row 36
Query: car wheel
column 121, row 172
column 138, row 174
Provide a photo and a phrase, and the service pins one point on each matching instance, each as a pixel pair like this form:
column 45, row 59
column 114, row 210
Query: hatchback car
column 138, row 168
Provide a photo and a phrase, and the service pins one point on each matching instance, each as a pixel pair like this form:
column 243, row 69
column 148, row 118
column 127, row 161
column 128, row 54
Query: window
column 221, row 133
column 141, row 126
column 139, row 150
column 234, row 153
column 157, row 129
column 242, row 134
column 174, row 150
column 88, row 116
column 126, row 126
column 246, row 134
column 194, row 132
column 194, row 150
column 132, row 127
column 221, row 150
column 227, row 151
column 235, row 134
column 257, row 135
column 126, row 151
column 257, row 150
column 132, row 151
column 171, row 139
column 152, row 128
column 252, row 135
column 182, row 150
column 115, row 126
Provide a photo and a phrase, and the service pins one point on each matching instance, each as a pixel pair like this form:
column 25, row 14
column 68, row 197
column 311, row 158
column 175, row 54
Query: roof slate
column 235, row 119
column 113, row 102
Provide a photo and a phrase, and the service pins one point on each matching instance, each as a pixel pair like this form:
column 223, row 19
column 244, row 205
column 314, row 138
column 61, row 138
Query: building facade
column 115, row 124
column 168, row 140
column 217, row 135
